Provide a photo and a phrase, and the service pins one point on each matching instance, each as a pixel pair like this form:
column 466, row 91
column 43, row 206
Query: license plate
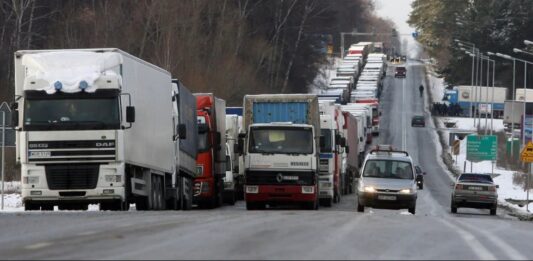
column 383, row 197
column 475, row 188
column 40, row 154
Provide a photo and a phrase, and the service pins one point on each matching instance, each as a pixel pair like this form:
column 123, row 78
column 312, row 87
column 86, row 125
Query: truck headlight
column 113, row 178
column 369, row 189
column 252, row 189
column 199, row 170
column 405, row 191
column 30, row 180
column 308, row 189
column 326, row 184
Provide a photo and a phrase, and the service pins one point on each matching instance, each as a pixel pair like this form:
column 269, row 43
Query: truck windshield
column 392, row 169
column 281, row 140
column 71, row 113
column 327, row 140
column 203, row 142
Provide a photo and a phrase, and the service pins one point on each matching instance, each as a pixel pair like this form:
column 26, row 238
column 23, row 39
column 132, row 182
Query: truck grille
column 280, row 178
column 71, row 150
column 70, row 176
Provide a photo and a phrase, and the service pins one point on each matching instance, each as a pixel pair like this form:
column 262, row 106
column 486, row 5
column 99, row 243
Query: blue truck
column 281, row 151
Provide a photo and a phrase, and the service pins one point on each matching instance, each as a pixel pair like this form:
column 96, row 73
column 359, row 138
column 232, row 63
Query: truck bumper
column 375, row 200
column 93, row 196
column 288, row 194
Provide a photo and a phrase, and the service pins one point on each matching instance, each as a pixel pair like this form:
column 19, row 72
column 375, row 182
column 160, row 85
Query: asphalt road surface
column 339, row 232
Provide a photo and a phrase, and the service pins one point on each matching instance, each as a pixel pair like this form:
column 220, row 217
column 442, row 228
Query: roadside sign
column 481, row 147
column 527, row 153
column 456, row 147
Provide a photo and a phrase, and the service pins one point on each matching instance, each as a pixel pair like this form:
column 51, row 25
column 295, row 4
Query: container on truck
column 351, row 157
column 512, row 114
column 331, row 122
column 234, row 179
column 211, row 162
column 281, row 150
column 100, row 126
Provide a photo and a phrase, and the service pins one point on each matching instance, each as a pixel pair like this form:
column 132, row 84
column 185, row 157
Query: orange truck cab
column 211, row 159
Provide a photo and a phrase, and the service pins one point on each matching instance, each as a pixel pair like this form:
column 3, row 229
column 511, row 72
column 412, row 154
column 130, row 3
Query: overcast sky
column 396, row 10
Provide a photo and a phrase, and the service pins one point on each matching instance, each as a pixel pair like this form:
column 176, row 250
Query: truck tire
column 230, row 198
column 47, row 207
column 186, row 194
column 28, row 206
column 454, row 209
column 310, row 205
column 493, row 211
column 326, row 202
column 360, row 207
column 252, row 206
column 141, row 203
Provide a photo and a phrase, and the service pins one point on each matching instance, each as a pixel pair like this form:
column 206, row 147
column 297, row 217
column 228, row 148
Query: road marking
column 404, row 131
column 38, row 245
column 510, row 251
column 479, row 250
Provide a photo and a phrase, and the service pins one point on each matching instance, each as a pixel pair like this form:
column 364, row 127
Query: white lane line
column 510, row 251
column 38, row 245
column 404, row 131
column 469, row 239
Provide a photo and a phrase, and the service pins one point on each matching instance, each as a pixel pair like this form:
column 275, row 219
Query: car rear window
column 475, row 178
column 400, row 69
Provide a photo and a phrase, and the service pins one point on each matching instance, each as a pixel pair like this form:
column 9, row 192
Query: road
column 339, row 232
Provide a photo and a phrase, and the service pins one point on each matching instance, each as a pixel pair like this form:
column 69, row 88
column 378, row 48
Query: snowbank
column 507, row 180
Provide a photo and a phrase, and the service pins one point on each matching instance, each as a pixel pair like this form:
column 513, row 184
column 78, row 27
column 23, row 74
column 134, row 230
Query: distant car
column 400, row 72
column 473, row 190
column 404, row 58
column 419, row 177
column 418, row 121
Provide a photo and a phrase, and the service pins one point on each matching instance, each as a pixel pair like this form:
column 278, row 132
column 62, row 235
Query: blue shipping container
column 267, row 112
column 234, row 110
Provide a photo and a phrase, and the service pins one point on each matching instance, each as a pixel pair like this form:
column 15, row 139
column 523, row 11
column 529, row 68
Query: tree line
column 492, row 25
column 230, row 47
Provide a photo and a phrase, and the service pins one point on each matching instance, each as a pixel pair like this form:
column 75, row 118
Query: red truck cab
column 208, row 185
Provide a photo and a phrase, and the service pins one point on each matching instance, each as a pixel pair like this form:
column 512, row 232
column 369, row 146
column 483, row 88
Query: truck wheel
column 326, row 202
column 47, row 207
column 360, row 207
column 421, row 186
column 141, row 203
column 251, row 206
column 493, row 211
column 28, row 206
column 454, row 209
column 187, row 194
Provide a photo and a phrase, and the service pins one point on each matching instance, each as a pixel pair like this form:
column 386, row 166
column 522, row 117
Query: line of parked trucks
column 100, row 126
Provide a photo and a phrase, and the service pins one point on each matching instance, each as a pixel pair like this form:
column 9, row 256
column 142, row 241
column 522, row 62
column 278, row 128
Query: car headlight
column 405, row 191
column 369, row 189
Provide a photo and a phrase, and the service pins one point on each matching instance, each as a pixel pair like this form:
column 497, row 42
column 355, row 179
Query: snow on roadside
column 508, row 189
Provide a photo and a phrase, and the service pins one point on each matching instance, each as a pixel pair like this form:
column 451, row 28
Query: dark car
column 418, row 121
column 404, row 58
column 474, row 190
column 419, row 177
column 400, row 72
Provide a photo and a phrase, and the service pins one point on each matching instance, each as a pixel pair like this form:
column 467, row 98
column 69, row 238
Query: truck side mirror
column 130, row 114
column 238, row 148
column 347, row 150
column 360, row 139
column 14, row 118
column 236, row 169
column 379, row 113
column 182, row 131
column 322, row 141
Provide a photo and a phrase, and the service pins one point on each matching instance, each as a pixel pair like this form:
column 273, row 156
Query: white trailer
column 96, row 126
